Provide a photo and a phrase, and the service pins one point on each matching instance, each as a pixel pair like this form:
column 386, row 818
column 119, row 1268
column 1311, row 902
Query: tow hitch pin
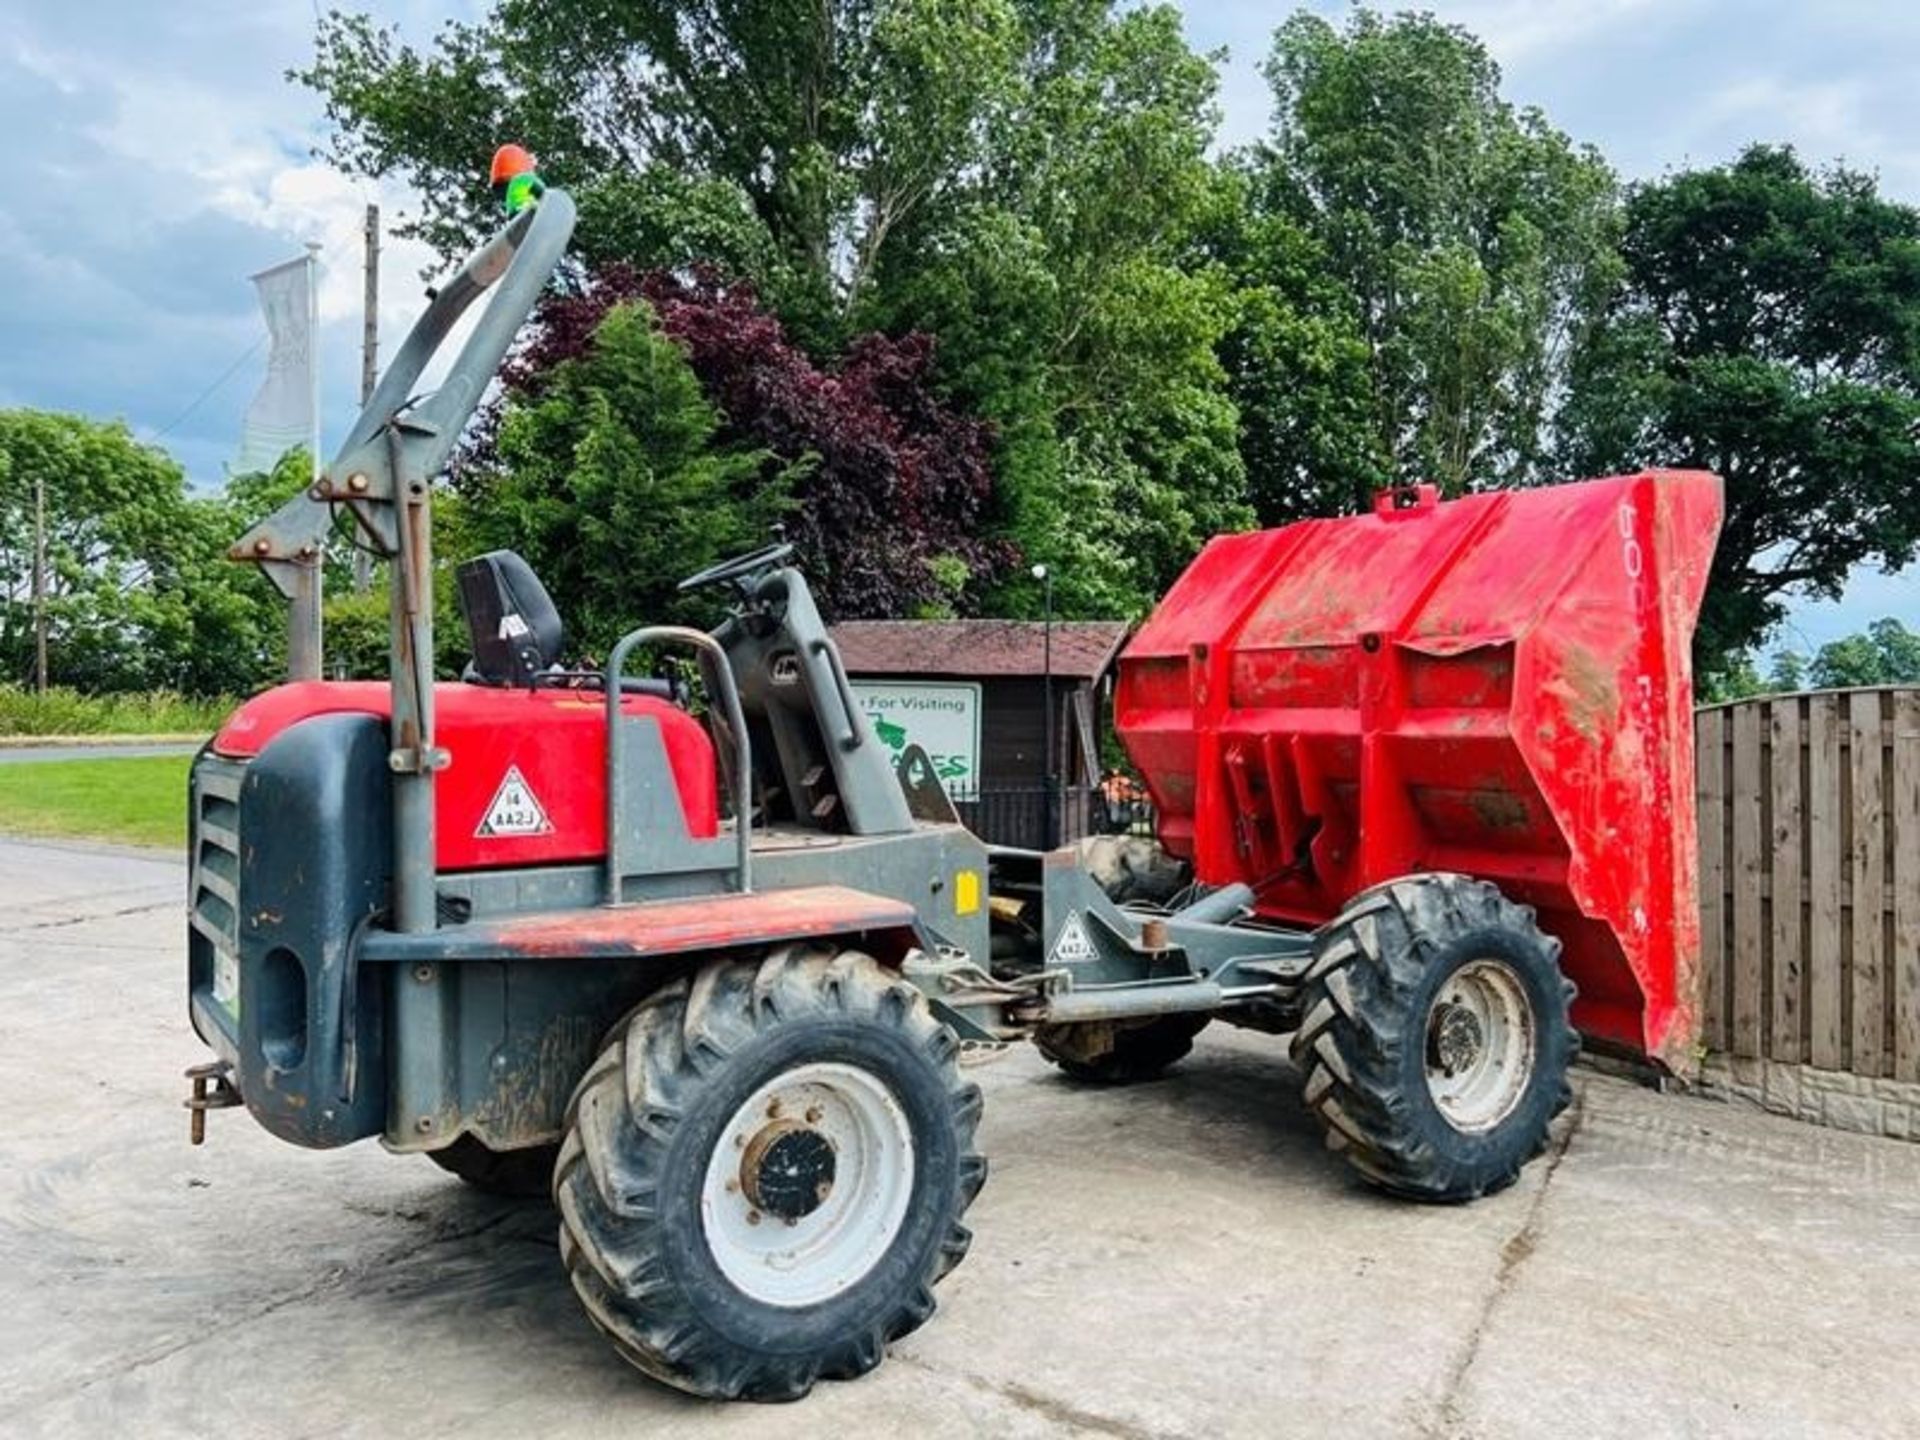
column 213, row 1089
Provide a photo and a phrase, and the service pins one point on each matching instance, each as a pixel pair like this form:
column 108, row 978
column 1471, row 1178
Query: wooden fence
column 1810, row 879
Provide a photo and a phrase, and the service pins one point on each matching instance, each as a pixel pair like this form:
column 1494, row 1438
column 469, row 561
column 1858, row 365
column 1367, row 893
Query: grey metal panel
column 648, row 819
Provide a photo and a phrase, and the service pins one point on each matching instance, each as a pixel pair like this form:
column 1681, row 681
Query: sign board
column 942, row 717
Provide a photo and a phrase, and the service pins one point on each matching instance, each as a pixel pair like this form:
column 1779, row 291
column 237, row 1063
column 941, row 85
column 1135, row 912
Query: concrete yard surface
column 1178, row 1259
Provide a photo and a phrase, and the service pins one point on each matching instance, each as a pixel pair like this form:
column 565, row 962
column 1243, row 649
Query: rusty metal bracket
column 419, row 760
column 213, row 1089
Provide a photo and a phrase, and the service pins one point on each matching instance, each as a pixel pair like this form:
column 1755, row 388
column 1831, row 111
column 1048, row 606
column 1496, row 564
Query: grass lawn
column 137, row 801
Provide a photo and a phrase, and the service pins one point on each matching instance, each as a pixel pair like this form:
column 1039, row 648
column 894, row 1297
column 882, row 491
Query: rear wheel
column 763, row 1174
column 516, row 1174
column 1436, row 1042
column 1119, row 1052
column 1133, row 868
column 1124, row 1052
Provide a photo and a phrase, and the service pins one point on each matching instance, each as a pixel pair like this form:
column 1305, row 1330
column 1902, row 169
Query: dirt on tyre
column 764, row 1172
column 513, row 1174
column 1436, row 1040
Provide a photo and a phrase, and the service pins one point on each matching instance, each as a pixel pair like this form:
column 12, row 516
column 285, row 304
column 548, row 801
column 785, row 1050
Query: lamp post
column 1045, row 577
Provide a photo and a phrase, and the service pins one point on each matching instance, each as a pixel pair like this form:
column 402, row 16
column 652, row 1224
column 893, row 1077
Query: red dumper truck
column 699, row 967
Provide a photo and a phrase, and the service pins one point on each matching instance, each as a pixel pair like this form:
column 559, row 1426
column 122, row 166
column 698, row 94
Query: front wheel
column 1436, row 1042
column 764, row 1173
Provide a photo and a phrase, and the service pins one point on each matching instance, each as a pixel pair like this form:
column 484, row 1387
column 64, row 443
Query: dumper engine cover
column 527, row 773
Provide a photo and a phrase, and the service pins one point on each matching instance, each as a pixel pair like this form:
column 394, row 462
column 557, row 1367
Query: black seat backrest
column 517, row 635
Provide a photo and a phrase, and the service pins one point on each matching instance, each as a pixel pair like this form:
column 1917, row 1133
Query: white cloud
column 1516, row 31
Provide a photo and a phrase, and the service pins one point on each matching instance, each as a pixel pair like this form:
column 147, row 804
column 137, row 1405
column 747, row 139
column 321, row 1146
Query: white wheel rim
column 827, row 1139
column 1479, row 1045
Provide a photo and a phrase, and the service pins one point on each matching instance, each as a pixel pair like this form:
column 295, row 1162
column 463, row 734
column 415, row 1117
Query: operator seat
column 515, row 629
column 517, row 634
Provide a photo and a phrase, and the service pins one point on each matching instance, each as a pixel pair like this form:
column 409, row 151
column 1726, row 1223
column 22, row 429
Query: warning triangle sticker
column 515, row 810
column 1074, row 947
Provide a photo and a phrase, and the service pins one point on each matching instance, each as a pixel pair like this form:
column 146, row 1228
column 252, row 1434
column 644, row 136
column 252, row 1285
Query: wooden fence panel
column 1789, row 863
column 1810, row 879
column 1867, row 857
column 1749, row 864
column 1904, row 806
column 1710, row 760
column 1823, row 882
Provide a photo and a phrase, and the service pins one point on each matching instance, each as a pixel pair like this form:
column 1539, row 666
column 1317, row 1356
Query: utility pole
column 369, row 363
column 40, row 583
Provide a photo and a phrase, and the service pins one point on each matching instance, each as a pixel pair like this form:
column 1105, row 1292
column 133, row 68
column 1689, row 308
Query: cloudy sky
column 158, row 158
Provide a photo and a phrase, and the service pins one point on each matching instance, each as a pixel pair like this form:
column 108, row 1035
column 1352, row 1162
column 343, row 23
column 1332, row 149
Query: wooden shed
column 1008, row 661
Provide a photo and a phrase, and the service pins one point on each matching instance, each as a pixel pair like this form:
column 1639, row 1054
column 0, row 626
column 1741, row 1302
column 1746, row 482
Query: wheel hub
column 1457, row 1039
column 788, row 1169
column 808, row 1184
column 1481, row 1045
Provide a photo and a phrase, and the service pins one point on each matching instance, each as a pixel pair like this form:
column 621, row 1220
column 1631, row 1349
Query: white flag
column 281, row 415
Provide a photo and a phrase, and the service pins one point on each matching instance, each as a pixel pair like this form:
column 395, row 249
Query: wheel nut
column 753, row 1217
column 813, row 1115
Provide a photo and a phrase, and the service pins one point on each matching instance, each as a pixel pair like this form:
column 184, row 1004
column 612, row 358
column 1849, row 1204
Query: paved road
column 29, row 754
column 1177, row 1260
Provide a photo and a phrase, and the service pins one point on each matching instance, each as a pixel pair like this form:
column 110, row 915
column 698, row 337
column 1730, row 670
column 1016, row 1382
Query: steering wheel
column 739, row 567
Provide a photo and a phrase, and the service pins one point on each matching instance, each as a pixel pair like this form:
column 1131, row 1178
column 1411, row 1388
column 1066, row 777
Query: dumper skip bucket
column 1498, row 685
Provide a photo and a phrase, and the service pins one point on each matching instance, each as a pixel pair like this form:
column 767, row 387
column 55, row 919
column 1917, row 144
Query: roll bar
column 518, row 260
column 384, row 475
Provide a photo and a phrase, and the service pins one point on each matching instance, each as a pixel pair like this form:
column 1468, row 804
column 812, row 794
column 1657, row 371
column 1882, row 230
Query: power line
column 207, row 394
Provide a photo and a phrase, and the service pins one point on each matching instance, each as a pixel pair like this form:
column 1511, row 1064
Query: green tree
column 609, row 481
column 1471, row 240
column 975, row 168
column 791, row 141
column 1076, row 308
column 1767, row 328
column 1298, row 365
column 1887, row 654
column 1735, row 678
column 140, row 595
column 1788, row 672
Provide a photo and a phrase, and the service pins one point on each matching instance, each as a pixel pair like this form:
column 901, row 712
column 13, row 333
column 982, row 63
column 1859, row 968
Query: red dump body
column 1498, row 685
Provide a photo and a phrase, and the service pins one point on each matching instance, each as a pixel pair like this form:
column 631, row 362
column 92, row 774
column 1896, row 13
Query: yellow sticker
column 966, row 892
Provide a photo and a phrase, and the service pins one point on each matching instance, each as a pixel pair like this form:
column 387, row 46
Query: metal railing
column 1017, row 814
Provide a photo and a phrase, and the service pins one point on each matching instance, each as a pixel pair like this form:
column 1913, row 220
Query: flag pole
column 369, row 356
column 303, row 632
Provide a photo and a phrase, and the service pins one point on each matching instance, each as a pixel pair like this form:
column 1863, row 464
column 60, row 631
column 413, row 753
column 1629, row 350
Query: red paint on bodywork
column 665, row 927
column 1499, row 685
column 555, row 738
